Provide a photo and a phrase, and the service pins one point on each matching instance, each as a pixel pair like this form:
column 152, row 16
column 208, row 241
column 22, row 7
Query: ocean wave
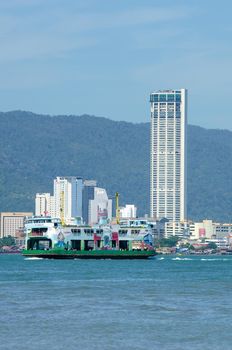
column 177, row 258
column 215, row 259
column 33, row 258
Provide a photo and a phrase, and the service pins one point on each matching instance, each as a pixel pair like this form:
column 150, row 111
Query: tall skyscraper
column 88, row 194
column 168, row 154
column 68, row 197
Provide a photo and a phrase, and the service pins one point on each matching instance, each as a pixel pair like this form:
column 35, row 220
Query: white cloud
column 58, row 30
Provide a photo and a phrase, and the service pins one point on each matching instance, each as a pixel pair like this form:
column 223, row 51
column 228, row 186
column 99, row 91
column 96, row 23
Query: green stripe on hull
column 90, row 254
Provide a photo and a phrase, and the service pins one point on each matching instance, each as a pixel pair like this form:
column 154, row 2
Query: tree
column 7, row 241
column 168, row 242
column 212, row 245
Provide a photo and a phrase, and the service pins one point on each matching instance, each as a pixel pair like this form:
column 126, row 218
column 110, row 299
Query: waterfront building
column 177, row 228
column 44, row 204
column 11, row 222
column 223, row 230
column 20, row 236
column 168, row 155
column 129, row 211
column 221, row 243
column 207, row 229
column 202, row 230
column 68, row 197
column 100, row 207
column 158, row 228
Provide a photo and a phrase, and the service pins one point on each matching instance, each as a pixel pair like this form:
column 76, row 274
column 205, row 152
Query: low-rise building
column 207, row 229
column 221, row 243
column 11, row 222
column 202, row 230
column 222, row 230
column 174, row 228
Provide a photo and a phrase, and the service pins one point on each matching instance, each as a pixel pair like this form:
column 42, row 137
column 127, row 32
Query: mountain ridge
column 36, row 148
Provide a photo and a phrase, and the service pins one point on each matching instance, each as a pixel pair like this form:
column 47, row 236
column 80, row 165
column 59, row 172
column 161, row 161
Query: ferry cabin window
column 123, row 232
column 74, row 230
column 135, row 231
column 41, row 221
column 99, row 231
column 89, row 231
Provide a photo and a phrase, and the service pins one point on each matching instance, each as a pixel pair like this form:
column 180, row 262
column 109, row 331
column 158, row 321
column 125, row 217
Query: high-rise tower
column 68, row 197
column 168, row 154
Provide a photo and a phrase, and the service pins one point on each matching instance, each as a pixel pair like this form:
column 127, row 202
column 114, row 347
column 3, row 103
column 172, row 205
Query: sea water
column 161, row 303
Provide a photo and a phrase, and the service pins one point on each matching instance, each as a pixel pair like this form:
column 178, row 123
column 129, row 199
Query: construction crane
column 117, row 208
column 62, row 207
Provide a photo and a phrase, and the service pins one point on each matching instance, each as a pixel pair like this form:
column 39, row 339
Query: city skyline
column 115, row 49
column 75, row 199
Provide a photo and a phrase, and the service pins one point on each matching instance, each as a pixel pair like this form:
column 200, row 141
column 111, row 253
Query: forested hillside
column 36, row 148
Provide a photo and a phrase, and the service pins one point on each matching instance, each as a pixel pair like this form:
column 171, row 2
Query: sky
column 104, row 57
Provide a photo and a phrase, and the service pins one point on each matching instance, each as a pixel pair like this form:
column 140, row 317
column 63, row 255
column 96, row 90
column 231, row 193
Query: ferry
column 47, row 237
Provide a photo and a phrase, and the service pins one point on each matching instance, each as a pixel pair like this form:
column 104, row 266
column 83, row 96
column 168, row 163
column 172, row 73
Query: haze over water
column 161, row 303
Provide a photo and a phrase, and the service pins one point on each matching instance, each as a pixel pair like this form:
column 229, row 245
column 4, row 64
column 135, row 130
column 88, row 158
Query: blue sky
column 104, row 57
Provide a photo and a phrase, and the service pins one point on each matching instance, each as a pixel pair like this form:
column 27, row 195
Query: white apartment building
column 168, row 155
column 44, row 204
column 129, row 211
column 100, row 207
column 68, row 197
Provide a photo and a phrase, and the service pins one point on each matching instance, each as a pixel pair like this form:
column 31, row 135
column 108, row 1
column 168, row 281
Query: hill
column 34, row 149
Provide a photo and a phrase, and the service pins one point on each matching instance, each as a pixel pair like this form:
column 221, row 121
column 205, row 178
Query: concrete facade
column 68, row 197
column 88, row 194
column 129, row 211
column 176, row 228
column 207, row 229
column 44, row 204
column 11, row 222
column 168, row 155
column 100, row 207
